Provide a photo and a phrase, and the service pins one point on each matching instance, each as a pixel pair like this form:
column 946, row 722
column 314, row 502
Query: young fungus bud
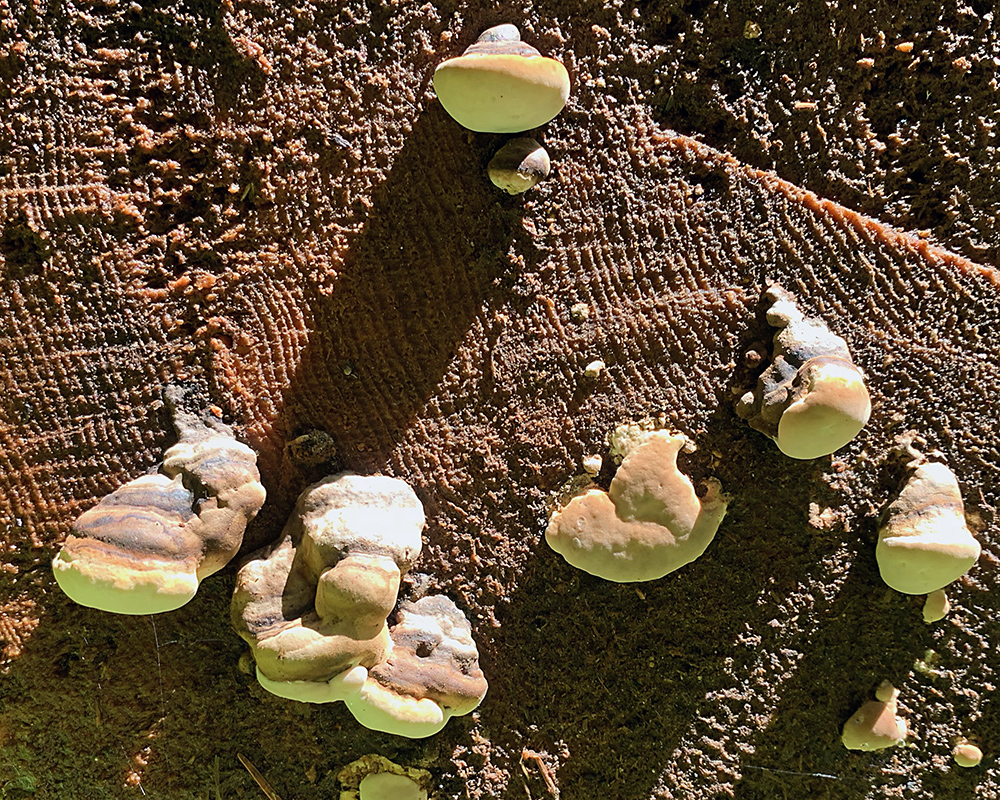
column 390, row 786
column 875, row 725
column 967, row 754
column 924, row 543
column 649, row 523
column 501, row 85
column 144, row 548
column 811, row 399
column 375, row 777
column 519, row 165
column 936, row 606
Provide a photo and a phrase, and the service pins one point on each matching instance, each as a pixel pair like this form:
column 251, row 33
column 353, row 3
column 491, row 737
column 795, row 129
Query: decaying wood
column 267, row 200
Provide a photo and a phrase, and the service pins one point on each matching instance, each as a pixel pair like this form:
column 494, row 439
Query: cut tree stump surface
column 266, row 200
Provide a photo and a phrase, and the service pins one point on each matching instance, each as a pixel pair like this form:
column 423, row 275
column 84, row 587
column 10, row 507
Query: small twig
column 547, row 776
column 265, row 787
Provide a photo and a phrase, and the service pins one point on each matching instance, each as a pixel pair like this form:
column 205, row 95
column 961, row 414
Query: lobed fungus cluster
column 811, row 399
column 314, row 606
column 649, row 523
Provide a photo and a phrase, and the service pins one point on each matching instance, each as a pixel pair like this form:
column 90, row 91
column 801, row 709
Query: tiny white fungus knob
column 967, row 754
column 594, row 369
column 936, row 606
column 875, row 726
column 592, row 464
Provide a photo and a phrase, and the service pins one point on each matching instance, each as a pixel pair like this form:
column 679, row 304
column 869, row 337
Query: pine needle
column 265, row 787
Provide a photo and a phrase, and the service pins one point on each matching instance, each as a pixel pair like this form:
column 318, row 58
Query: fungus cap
column 144, row 548
column 500, row 85
column 833, row 409
column 339, row 687
column 649, row 523
column 925, row 543
column 375, row 777
column 967, row 754
column 432, row 672
column 390, row 786
column 875, row 726
column 519, row 165
column 313, row 605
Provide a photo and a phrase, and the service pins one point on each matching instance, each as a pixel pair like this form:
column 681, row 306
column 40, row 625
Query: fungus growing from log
column 875, row 726
column 924, row 542
column 936, row 606
column 144, row 548
column 431, row 674
column 501, row 85
column 314, row 609
column 967, row 754
column 649, row 523
column 519, row 165
column 390, row 786
column 313, row 606
column 811, row 399
column 375, row 777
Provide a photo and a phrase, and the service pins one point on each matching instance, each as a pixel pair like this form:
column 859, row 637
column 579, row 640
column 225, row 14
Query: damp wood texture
column 268, row 198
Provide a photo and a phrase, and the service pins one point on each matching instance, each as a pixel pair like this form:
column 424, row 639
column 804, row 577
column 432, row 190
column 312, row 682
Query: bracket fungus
column 966, row 754
column 314, row 609
column 924, row 542
column 375, row 777
column 390, row 786
column 875, row 726
column 144, row 548
column 501, row 85
column 431, row 674
column 649, row 523
column 519, row 165
column 811, row 399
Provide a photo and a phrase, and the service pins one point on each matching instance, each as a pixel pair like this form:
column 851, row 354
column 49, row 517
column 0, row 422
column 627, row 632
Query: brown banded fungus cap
column 924, row 542
column 313, row 606
column 649, row 523
column 144, row 548
column 875, row 726
column 811, row 399
column 501, row 85
column 431, row 674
